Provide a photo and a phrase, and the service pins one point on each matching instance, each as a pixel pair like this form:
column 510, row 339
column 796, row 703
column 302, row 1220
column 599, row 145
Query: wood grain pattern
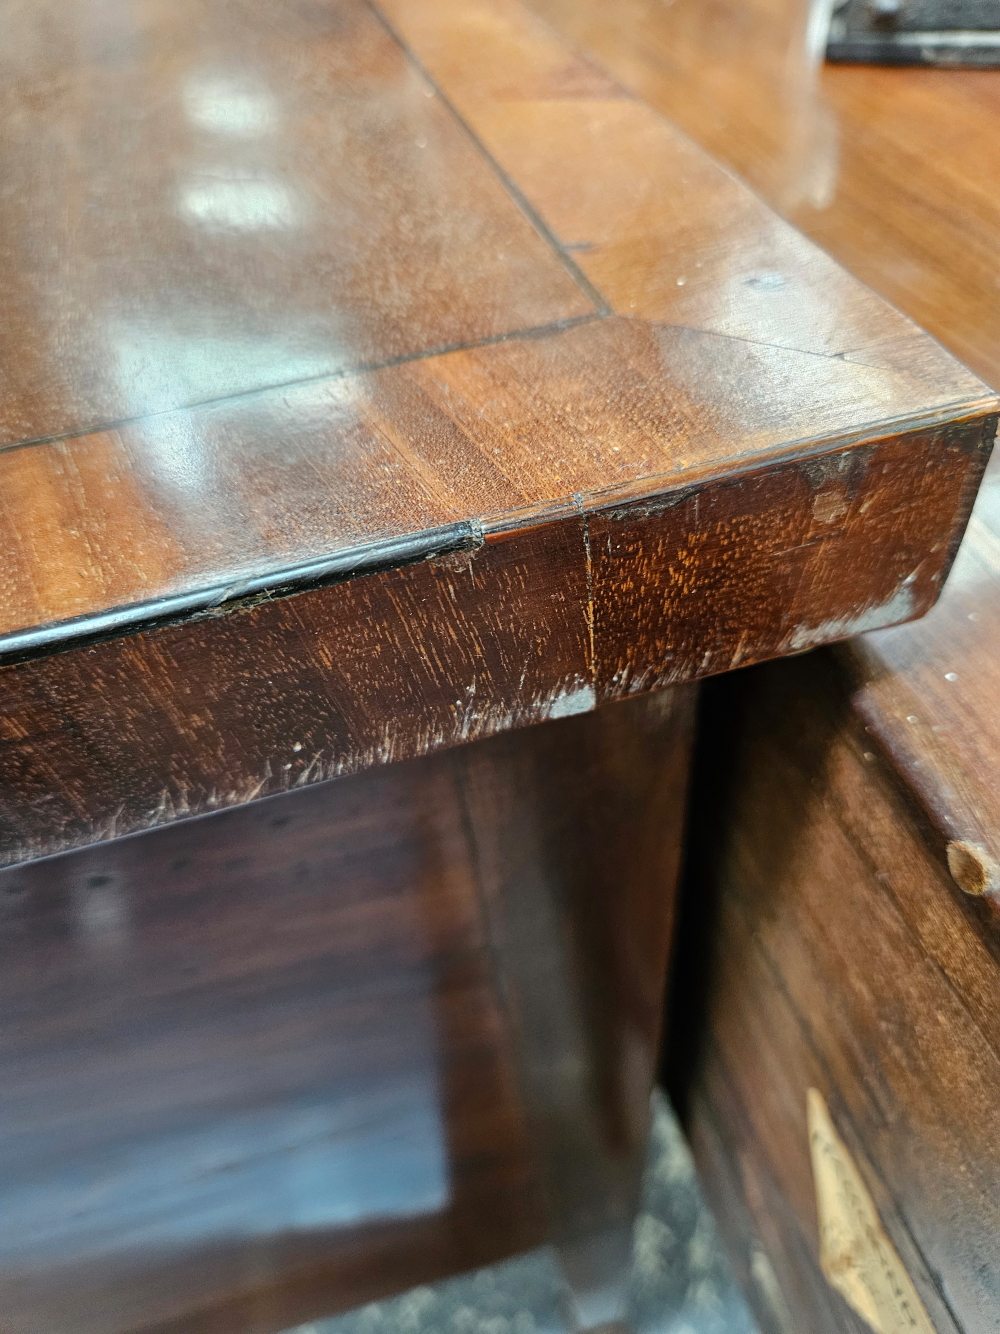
column 410, row 312
column 645, row 358
column 888, row 170
column 294, row 1057
column 255, row 1067
column 541, row 621
column 261, row 492
column 929, row 699
column 845, row 958
column 213, row 199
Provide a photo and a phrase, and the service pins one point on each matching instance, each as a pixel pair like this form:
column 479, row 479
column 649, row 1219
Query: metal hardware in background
column 915, row 32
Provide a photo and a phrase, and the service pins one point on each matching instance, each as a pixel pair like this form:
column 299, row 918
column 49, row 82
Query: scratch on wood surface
column 461, row 561
column 569, row 696
column 829, row 505
column 578, row 501
column 679, row 596
column 841, row 469
column 737, row 656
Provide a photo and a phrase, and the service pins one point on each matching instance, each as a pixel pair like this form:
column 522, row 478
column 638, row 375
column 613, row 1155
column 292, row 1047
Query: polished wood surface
column 289, row 1058
column 890, row 171
column 409, row 311
column 253, row 1067
column 274, row 473
column 667, row 438
column 145, row 497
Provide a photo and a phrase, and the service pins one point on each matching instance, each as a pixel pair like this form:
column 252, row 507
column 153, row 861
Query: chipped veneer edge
column 465, row 535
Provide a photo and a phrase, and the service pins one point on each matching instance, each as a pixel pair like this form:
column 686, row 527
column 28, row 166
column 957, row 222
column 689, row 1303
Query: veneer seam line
column 603, row 307
column 989, row 402
column 362, row 368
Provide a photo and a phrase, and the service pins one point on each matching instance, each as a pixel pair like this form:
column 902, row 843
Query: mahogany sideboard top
column 414, row 313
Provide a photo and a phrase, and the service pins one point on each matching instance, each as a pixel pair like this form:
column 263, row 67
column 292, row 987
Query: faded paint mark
column 570, row 702
column 844, row 469
column 900, row 607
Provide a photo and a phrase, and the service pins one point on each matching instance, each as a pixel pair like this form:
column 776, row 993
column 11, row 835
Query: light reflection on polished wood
column 400, row 240
column 889, row 170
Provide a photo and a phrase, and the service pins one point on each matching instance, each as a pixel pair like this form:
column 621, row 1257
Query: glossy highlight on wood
column 271, row 478
column 241, row 196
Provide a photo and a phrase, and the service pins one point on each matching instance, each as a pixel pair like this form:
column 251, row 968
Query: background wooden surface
column 833, row 950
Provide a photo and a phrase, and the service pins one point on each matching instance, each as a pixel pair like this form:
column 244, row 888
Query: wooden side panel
column 928, row 693
column 253, row 492
column 284, row 1059
column 845, row 958
column 756, row 566
column 254, row 1068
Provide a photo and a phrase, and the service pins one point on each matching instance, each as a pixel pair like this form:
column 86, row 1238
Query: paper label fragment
column 856, row 1255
